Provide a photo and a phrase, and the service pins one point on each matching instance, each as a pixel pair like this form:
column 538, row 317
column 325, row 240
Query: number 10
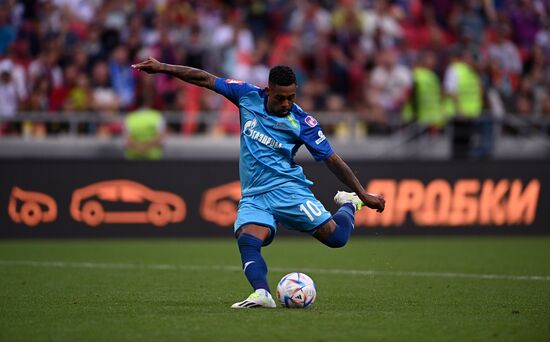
column 313, row 209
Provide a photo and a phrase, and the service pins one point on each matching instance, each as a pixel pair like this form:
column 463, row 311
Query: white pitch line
column 94, row 265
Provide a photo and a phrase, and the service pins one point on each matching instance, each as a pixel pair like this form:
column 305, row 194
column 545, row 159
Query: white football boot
column 258, row 299
column 343, row 197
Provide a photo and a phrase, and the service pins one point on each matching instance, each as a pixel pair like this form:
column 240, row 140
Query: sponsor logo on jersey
column 321, row 137
column 311, row 122
column 249, row 131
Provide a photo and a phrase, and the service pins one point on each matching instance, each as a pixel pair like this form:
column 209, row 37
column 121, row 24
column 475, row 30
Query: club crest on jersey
column 311, row 122
column 230, row 81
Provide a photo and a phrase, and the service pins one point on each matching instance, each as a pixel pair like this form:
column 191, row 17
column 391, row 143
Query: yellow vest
column 469, row 92
column 143, row 126
column 426, row 102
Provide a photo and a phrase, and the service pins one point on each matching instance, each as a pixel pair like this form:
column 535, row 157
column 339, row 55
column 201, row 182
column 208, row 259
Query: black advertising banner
column 106, row 198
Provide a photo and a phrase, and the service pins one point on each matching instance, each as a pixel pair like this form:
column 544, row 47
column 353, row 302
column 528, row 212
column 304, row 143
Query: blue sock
column 254, row 265
column 344, row 218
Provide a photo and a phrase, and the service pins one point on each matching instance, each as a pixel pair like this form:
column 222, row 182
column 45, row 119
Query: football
column 296, row 290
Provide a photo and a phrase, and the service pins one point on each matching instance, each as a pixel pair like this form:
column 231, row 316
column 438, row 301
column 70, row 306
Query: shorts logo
column 230, row 81
column 311, row 122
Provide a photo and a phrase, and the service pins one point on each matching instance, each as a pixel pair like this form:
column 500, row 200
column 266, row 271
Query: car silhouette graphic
column 36, row 207
column 88, row 204
column 219, row 204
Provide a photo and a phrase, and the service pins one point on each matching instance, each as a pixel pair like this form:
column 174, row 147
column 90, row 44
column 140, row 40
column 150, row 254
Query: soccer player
column 274, row 188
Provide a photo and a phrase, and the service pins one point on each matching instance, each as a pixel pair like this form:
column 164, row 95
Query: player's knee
column 249, row 241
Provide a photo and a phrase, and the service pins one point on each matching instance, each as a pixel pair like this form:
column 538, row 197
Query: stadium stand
column 65, row 69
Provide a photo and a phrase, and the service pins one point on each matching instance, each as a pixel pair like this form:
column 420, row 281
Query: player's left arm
column 316, row 142
column 344, row 173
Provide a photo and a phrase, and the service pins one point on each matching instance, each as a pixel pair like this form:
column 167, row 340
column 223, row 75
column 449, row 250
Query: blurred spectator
column 46, row 66
column 524, row 103
column 122, row 76
column 145, row 131
column 505, row 53
column 39, row 99
column 542, row 38
column 312, row 22
column 537, row 74
column 104, row 97
column 9, row 97
column 347, row 24
column 525, row 24
column 81, row 61
column 79, row 98
column 7, row 30
column 468, row 21
column 463, row 85
column 17, row 73
column 390, row 83
column 500, row 89
column 338, row 72
column 93, row 46
column 441, row 10
column 60, row 94
column 425, row 104
column 232, row 46
column 545, row 99
column 381, row 27
column 345, row 127
column 82, row 10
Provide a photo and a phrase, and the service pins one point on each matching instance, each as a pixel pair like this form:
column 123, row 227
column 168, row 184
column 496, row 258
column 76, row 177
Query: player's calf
column 254, row 266
column 336, row 233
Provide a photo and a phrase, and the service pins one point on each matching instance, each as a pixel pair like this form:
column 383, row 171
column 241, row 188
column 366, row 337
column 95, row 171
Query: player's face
column 280, row 99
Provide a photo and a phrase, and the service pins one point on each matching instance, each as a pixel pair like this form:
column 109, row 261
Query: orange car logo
column 36, row 207
column 162, row 207
column 219, row 204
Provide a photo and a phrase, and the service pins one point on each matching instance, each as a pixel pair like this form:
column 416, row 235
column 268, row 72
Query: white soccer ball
column 296, row 290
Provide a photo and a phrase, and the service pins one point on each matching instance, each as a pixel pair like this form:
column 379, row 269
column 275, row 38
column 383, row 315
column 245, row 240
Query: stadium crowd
column 350, row 56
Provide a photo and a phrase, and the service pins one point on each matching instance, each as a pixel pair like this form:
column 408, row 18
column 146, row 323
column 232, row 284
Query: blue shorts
column 294, row 207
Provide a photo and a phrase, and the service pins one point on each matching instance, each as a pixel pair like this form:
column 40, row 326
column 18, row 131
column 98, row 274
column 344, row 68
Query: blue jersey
column 269, row 142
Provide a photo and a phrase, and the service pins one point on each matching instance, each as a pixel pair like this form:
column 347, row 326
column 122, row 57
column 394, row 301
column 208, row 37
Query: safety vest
column 425, row 104
column 143, row 126
column 469, row 93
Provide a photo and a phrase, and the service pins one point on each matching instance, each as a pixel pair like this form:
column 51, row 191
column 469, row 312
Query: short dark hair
column 282, row 75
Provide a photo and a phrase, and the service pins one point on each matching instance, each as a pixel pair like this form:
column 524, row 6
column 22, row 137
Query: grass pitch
column 376, row 289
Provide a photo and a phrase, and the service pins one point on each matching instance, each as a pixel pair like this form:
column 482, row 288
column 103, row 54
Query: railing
column 75, row 123
column 75, row 136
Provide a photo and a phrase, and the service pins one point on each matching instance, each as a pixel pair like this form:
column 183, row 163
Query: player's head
column 281, row 91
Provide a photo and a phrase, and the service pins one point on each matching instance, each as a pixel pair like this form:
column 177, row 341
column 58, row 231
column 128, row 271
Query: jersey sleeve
column 232, row 89
column 314, row 139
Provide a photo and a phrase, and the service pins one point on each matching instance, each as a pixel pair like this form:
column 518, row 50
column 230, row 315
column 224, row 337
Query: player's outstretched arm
column 194, row 76
column 343, row 172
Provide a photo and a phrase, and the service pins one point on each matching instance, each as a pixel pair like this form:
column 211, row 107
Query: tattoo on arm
column 194, row 76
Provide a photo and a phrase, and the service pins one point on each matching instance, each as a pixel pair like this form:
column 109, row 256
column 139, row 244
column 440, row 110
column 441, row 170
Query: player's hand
column 374, row 201
column 150, row 65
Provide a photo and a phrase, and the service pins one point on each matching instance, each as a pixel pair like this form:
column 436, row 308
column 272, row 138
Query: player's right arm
column 231, row 89
column 187, row 74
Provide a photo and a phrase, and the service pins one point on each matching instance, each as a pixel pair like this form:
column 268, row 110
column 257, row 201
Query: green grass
column 124, row 296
